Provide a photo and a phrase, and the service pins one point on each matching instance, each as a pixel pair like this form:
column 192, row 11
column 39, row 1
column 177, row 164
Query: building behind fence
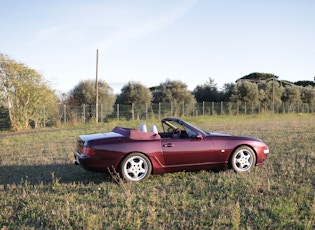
column 69, row 115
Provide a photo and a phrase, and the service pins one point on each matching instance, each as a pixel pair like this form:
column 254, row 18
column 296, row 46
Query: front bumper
column 262, row 154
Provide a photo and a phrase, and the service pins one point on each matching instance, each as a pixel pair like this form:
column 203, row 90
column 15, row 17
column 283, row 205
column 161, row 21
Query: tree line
column 25, row 95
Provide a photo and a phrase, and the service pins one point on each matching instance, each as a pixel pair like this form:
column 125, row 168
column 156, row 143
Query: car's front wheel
column 243, row 159
column 135, row 167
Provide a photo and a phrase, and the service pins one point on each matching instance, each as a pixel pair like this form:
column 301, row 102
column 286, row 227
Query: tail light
column 87, row 150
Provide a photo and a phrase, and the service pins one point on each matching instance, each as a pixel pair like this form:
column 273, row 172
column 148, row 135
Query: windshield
column 170, row 126
column 192, row 131
column 197, row 129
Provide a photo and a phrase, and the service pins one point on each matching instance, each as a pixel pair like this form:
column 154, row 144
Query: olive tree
column 270, row 92
column 136, row 94
column 84, row 94
column 245, row 91
column 176, row 93
column 292, row 95
column 308, row 95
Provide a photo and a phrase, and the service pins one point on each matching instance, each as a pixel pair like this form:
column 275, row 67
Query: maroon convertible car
column 137, row 153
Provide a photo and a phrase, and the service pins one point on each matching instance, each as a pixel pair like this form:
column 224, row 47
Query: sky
column 151, row 41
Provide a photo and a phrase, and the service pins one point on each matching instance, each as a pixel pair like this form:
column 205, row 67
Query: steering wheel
column 176, row 133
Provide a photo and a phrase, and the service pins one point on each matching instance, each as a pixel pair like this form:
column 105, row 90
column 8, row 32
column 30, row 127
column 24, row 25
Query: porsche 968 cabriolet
column 138, row 153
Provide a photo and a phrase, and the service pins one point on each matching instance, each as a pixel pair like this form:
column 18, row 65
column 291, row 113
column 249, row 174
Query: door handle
column 168, row 145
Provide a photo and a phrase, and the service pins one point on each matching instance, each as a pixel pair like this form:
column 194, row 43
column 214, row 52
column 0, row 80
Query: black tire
column 243, row 159
column 135, row 167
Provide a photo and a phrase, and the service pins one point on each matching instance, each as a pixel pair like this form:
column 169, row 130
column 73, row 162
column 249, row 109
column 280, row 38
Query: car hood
column 219, row 134
column 235, row 137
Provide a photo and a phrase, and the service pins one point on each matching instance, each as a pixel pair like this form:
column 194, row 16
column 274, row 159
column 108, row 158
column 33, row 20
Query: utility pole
column 96, row 87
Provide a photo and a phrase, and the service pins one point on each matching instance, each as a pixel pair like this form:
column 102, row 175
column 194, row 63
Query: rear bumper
column 77, row 157
column 89, row 163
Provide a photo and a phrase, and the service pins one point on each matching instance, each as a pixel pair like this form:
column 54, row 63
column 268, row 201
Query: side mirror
column 199, row 137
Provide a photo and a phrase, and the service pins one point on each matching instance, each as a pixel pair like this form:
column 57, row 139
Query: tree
column 207, row 92
column 245, row 91
column 174, row 92
column 85, row 94
column 270, row 92
column 24, row 93
column 134, row 93
column 137, row 94
column 308, row 95
column 45, row 102
column 258, row 77
column 227, row 91
column 4, row 118
column 292, row 95
column 305, row 83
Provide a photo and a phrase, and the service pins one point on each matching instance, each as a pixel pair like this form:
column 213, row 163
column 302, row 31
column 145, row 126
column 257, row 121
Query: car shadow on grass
column 46, row 174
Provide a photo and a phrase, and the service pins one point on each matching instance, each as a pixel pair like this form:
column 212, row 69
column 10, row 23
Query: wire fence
column 118, row 112
column 69, row 115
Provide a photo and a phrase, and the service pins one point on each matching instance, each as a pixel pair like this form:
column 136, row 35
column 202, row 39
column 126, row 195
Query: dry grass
column 40, row 187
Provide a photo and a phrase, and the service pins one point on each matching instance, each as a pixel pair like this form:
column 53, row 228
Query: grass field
column 40, row 187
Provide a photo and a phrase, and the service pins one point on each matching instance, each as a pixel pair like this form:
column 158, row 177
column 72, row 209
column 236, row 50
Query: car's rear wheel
column 243, row 159
column 135, row 167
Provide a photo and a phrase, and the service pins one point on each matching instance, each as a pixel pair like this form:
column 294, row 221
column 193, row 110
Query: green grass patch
column 40, row 187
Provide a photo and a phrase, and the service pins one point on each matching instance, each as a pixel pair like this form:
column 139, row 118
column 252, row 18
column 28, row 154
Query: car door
column 187, row 151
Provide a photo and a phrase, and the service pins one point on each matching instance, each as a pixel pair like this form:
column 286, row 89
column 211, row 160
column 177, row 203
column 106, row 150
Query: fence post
column 212, row 108
column 117, row 112
column 146, row 111
column 83, row 114
column 133, row 111
column 159, row 110
column 101, row 112
column 65, row 114
column 44, row 118
column 245, row 108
